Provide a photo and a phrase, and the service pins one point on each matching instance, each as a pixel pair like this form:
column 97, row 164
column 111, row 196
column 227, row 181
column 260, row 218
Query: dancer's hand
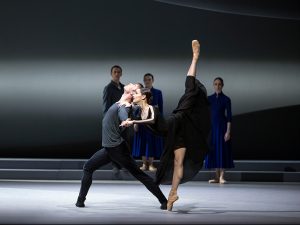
column 126, row 123
column 227, row 136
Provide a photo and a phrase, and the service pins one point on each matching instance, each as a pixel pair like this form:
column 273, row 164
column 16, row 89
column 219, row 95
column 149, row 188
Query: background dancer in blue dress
column 220, row 156
column 145, row 143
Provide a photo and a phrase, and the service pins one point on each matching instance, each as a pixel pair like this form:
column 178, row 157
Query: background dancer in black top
column 111, row 94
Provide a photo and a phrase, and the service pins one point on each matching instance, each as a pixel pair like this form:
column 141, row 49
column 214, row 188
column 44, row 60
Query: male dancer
column 116, row 150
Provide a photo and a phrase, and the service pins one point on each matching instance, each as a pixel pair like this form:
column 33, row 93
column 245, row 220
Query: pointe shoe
column 213, row 181
column 152, row 168
column 196, row 48
column 143, row 167
column 173, row 197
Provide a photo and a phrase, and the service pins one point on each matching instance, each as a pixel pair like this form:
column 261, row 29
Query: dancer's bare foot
column 222, row 181
column 144, row 167
column 152, row 168
column 196, row 49
column 213, row 181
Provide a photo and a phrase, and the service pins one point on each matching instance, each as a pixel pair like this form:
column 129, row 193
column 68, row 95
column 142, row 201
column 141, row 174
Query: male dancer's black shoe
column 163, row 206
column 80, row 202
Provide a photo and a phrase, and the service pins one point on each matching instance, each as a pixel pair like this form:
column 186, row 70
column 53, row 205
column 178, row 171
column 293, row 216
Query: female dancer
column 220, row 157
column 187, row 128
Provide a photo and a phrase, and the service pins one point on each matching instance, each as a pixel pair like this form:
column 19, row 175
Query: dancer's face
column 130, row 90
column 148, row 81
column 116, row 74
column 218, row 86
column 138, row 97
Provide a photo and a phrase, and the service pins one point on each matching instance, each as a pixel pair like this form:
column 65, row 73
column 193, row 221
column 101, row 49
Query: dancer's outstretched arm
column 196, row 51
column 129, row 122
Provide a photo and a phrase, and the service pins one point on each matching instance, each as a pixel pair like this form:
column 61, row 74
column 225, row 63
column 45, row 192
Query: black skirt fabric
column 188, row 125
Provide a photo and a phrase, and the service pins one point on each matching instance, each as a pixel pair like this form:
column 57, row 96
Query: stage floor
column 129, row 202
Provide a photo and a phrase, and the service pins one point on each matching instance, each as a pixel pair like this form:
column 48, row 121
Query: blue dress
column 220, row 155
column 145, row 143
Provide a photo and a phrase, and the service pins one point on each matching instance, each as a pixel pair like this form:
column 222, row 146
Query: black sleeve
column 160, row 127
column 189, row 84
column 107, row 102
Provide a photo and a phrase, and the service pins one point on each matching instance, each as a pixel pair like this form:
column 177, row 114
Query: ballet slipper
column 173, row 197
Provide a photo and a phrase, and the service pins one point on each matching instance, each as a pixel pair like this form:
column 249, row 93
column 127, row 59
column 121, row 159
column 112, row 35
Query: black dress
column 189, row 127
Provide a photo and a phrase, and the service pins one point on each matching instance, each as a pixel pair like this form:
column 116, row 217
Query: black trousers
column 120, row 155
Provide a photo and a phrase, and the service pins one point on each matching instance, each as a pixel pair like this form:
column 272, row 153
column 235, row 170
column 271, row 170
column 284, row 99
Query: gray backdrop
column 55, row 59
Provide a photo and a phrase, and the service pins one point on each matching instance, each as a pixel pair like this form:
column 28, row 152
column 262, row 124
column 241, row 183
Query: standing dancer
column 145, row 144
column 112, row 92
column 220, row 156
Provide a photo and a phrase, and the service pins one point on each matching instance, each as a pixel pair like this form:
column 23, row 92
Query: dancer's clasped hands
column 127, row 123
